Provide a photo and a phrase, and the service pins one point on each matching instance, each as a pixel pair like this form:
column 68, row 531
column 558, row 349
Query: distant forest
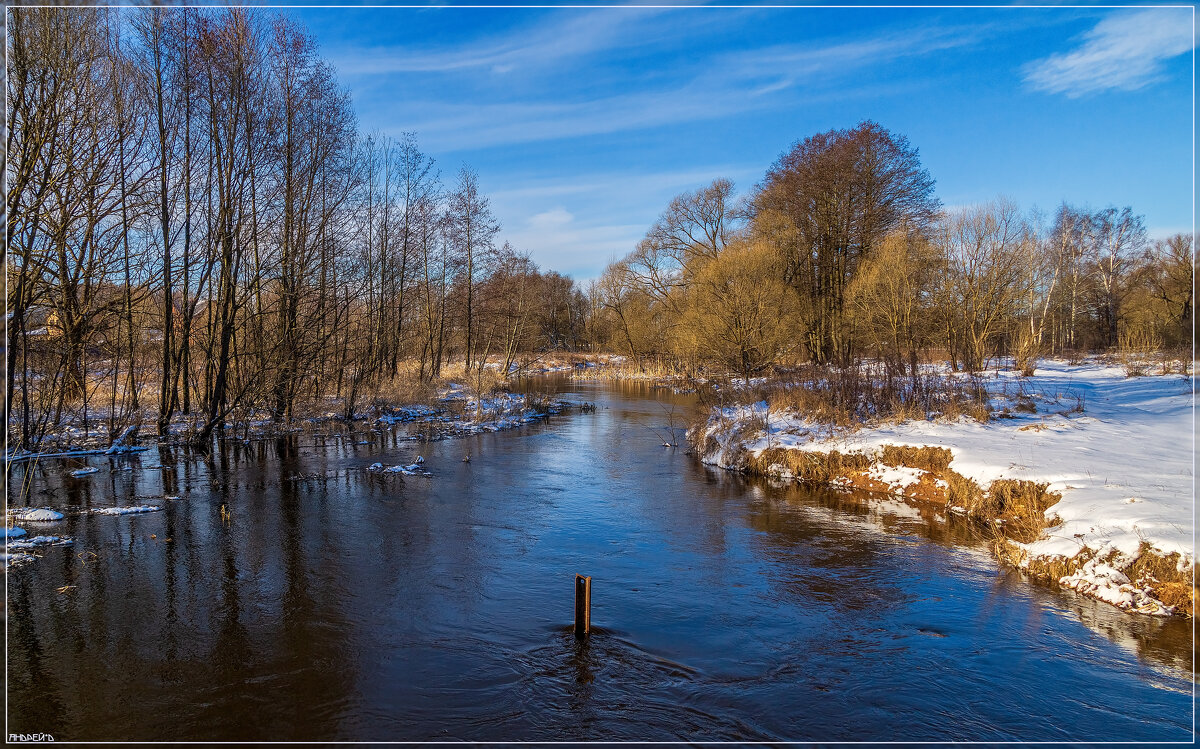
column 843, row 252
column 198, row 230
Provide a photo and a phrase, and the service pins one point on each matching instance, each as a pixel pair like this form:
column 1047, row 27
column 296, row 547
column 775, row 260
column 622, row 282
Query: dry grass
column 936, row 460
column 816, row 467
column 661, row 372
column 1161, row 574
column 1051, row 569
column 402, row 391
column 1025, row 405
column 961, row 491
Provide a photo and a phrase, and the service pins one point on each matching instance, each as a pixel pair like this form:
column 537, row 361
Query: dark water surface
column 336, row 603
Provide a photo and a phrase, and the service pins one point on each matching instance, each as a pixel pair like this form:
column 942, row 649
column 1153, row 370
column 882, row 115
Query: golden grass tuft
column 1161, row 574
column 962, row 491
column 936, row 460
column 402, row 391
column 1019, row 505
column 808, row 466
column 1050, row 569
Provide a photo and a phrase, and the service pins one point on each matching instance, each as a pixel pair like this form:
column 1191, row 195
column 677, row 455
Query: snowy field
column 1120, row 451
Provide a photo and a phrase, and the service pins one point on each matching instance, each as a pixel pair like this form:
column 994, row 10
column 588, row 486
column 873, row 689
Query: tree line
column 842, row 252
column 197, row 227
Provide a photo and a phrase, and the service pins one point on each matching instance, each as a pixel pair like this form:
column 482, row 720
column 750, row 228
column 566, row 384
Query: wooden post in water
column 583, row 606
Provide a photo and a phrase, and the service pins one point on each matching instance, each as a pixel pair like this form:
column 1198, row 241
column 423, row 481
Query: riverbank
column 1084, row 474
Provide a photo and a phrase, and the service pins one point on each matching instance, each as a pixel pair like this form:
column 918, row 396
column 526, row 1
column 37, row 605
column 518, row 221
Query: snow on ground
column 32, row 543
column 1105, row 582
column 85, row 471
column 35, row 515
column 1123, row 465
column 17, row 552
column 126, row 510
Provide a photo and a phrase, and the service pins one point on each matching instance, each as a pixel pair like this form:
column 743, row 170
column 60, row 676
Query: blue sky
column 583, row 123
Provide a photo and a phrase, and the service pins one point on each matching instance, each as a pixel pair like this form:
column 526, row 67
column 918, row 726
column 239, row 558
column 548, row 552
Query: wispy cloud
column 708, row 87
column 839, row 57
column 579, row 250
column 455, row 126
column 1125, row 51
column 534, row 47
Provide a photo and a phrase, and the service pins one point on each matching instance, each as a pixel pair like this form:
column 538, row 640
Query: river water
column 330, row 602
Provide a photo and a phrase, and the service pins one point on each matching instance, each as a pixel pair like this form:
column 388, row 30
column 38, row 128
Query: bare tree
column 984, row 247
column 472, row 229
column 1120, row 237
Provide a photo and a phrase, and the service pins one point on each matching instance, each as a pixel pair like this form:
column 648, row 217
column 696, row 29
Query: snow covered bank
column 1117, row 450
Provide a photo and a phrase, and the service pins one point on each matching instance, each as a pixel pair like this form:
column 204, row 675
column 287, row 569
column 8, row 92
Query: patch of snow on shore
column 39, row 515
column 416, row 468
column 1123, row 465
column 1110, row 585
column 136, row 509
column 36, row 541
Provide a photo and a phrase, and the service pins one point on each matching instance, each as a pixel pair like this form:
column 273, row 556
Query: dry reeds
column 644, row 370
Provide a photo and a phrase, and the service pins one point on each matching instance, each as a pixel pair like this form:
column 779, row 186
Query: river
column 290, row 594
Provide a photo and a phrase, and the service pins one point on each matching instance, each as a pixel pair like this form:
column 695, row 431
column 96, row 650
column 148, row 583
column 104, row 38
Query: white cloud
column 578, row 251
column 451, row 126
column 1125, row 51
column 557, row 216
column 537, row 214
